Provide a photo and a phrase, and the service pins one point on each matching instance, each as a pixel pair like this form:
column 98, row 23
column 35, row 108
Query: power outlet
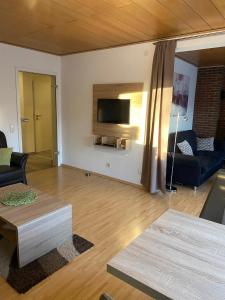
column 108, row 164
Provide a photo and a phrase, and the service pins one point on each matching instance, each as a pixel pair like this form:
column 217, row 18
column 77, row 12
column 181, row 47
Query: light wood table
column 36, row 228
column 179, row 257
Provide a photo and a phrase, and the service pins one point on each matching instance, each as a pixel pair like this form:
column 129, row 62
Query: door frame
column 57, row 102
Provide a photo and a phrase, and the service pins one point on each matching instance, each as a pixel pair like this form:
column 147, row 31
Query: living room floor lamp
column 169, row 187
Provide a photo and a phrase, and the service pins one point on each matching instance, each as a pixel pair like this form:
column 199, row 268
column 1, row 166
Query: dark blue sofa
column 193, row 170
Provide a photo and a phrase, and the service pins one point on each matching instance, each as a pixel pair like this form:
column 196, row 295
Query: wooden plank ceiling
column 69, row 26
column 204, row 57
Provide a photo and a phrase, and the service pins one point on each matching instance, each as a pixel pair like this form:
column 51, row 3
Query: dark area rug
column 23, row 279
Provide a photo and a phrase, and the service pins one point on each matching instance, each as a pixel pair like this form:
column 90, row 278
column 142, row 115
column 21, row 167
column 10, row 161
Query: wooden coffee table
column 35, row 228
column 178, row 257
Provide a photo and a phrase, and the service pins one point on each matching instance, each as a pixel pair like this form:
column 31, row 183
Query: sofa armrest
column 219, row 145
column 19, row 160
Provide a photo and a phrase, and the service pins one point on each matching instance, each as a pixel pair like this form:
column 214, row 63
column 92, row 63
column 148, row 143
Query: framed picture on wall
column 180, row 94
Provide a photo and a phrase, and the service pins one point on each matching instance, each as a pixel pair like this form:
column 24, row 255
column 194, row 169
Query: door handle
column 25, row 120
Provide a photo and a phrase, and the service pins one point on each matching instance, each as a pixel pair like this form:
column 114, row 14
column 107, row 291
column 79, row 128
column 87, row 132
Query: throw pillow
column 185, row 148
column 205, row 144
column 5, row 156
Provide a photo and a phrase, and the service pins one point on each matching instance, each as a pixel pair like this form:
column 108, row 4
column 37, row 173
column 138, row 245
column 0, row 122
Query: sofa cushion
column 208, row 162
column 185, row 148
column 5, row 156
column 218, row 155
column 9, row 173
column 205, row 144
column 3, row 143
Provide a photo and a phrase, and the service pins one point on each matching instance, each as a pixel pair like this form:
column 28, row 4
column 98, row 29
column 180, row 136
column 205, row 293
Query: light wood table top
column 35, row 228
column 21, row 215
column 178, row 257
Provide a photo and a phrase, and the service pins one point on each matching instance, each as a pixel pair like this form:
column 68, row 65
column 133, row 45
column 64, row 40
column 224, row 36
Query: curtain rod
column 190, row 36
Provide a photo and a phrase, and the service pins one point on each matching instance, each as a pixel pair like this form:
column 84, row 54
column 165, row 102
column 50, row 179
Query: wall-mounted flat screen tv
column 113, row 111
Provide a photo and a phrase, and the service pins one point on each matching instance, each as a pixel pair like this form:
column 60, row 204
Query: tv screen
column 113, row 111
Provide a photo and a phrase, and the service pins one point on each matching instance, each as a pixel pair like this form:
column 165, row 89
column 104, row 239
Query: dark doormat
column 23, row 279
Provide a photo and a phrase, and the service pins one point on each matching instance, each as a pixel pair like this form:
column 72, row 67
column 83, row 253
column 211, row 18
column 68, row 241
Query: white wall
column 190, row 70
column 79, row 73
column 13, row 59
column 201, row 42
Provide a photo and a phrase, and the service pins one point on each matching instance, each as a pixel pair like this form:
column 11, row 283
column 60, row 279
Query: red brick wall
column 208, row 102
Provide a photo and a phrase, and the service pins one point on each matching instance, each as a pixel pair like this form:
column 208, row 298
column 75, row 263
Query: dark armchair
column 16, row 171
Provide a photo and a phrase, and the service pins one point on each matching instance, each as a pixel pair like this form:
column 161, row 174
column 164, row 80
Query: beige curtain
column 158, row 118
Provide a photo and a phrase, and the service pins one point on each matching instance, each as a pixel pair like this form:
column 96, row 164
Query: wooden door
column 43, row 112
column 38, row 114
column 27, row 111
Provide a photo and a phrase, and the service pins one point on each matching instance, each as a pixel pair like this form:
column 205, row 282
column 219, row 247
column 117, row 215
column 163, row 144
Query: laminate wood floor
column 110, row 214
